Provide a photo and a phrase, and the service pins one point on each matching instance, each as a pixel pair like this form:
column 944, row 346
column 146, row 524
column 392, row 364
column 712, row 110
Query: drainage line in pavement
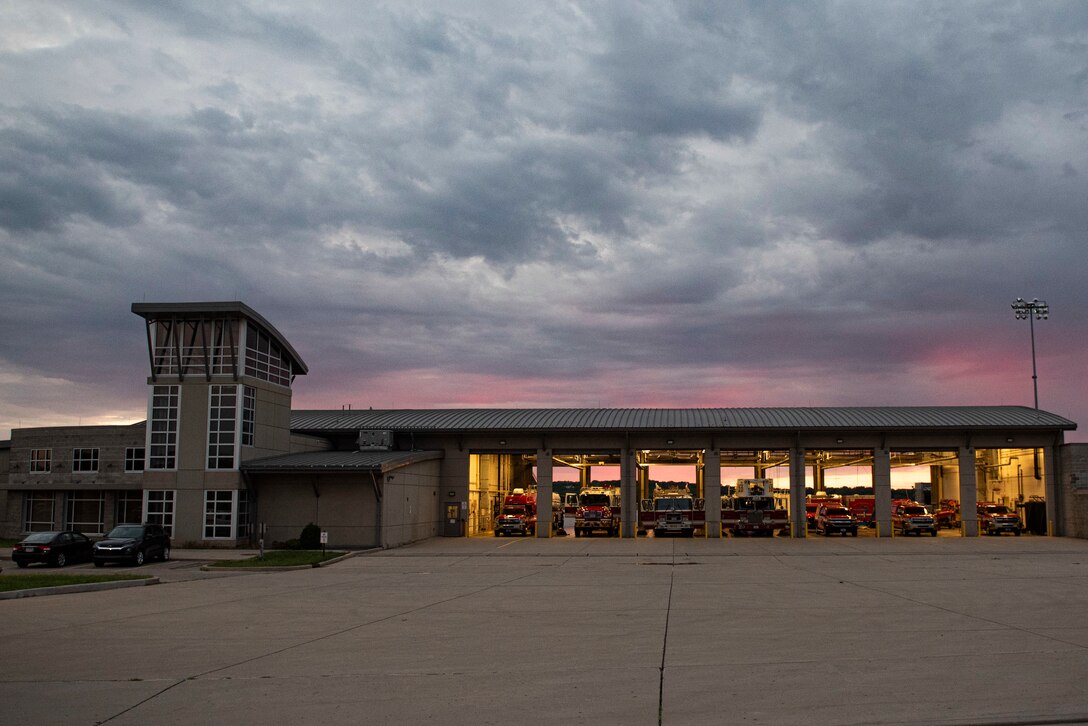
column 665, row 647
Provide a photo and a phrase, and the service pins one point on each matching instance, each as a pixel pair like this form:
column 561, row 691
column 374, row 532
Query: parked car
column 52, row 548
column 132, row 543
column 836, row 519
column 997, row 518
column 912, row 518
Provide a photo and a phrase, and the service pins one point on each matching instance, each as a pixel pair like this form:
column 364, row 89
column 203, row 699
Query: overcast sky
column 551, row 204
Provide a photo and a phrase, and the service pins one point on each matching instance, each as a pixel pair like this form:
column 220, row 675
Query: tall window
column 38, row 512
column 134, row 458
column 249, row 409
column 264, row 359
column 222, row 423
column 219, row 514
column 41, row 461
column 242, row 520
column 84, row 459
column 159, row 508
column 84, row 512
column 130, row 507
column 163, row 432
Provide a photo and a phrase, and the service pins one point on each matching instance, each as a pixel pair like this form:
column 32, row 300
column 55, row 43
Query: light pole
column 1032, row 310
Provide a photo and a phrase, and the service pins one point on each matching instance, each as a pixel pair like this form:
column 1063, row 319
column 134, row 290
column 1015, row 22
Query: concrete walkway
column 500, row 631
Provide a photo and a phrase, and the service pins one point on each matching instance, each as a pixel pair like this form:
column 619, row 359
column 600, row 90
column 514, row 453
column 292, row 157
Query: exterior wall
column 192, row 478
column 111, row 442
column 344, row 505
column 411, row 509
column 1074, row 485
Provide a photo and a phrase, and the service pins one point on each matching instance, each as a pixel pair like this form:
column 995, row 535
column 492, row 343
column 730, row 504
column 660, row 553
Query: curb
column 283, row 568
column 84, row 587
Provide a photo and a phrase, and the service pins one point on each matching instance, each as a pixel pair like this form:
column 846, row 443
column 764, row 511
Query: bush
column 310, row 539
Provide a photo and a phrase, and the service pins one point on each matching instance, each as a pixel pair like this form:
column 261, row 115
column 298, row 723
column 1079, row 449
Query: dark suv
column 132, row 543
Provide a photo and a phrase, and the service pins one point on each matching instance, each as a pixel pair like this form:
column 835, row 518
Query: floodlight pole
column 1033, row 310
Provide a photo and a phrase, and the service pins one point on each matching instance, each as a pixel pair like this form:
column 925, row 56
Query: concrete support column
column 712, row 488
column 543, row 493
column 628, row 494
column 818, row 481
column 797, row 492
column 585, row 476
column 1053, row 491
column 882, row 491
column 642, row 475
column 968, row 492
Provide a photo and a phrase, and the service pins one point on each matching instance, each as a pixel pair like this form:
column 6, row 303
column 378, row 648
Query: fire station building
column 222, row 457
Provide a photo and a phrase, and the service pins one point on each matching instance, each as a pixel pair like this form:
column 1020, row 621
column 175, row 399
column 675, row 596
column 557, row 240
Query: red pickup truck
column 996, row 518
column 913, row 518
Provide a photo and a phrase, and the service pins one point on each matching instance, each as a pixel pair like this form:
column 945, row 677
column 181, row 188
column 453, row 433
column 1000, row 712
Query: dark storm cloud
column 653, row 199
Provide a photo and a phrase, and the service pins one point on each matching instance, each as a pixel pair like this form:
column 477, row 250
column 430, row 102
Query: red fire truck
column 598, row 509
column 518, row 513
column 753, row 509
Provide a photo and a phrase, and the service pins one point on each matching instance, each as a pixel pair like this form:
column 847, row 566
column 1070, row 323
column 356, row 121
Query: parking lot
column 647, row 631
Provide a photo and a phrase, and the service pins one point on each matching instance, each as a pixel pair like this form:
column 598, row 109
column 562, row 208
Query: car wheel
column 22, row 565
column 854, row 532
column 98, row 564
column 165, row 554
column 933, row 533
column 1016, row 532
column 60, row 560
column 139, row 558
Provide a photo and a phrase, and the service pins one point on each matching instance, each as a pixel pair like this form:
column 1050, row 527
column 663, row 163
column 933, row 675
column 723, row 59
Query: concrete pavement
column 490, row 631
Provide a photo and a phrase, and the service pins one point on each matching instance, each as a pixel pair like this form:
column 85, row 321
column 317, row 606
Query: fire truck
column 598, row 508
column 671, row 511
column 752, row 508
column 518, row 513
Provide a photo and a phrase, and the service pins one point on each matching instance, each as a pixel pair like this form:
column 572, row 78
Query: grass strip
column 9, row 583
column 281, row 558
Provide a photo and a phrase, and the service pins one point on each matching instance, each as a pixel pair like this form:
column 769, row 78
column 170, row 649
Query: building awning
column 378, row 462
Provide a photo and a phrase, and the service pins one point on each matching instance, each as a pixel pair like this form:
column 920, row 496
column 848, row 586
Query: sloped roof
column 375, row 461
column 883, row 418
column 159, row 310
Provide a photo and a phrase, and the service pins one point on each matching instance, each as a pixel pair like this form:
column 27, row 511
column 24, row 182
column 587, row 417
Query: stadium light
column 1032, row 310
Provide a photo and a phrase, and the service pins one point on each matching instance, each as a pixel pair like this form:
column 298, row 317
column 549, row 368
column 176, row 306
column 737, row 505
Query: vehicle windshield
column 753, row 503
column 513, row 509
column 126, row 532
column 837, row 512
column 595, row 500
column 914, row 510
column 673, row 504
column 40, row 537
column 997, row 509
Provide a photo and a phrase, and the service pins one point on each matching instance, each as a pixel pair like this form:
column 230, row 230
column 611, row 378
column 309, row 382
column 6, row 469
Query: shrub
column 310, row 539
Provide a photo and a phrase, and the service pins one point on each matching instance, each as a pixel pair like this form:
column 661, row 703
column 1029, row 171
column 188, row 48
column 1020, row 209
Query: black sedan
column 53, row 548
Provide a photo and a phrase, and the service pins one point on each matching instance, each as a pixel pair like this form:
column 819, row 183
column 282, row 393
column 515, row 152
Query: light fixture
column 669, row 442
column 502, row 442
column 1032, row 310
column 838, row 441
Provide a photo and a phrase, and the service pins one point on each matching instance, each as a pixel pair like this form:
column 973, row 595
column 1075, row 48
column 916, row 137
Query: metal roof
column 885, row 418
column 376, row 461
column 158, row 310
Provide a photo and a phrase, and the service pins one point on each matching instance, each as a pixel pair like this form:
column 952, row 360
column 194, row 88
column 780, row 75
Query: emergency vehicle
column 598, row 509
column 671, row 511
column 753, row 508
